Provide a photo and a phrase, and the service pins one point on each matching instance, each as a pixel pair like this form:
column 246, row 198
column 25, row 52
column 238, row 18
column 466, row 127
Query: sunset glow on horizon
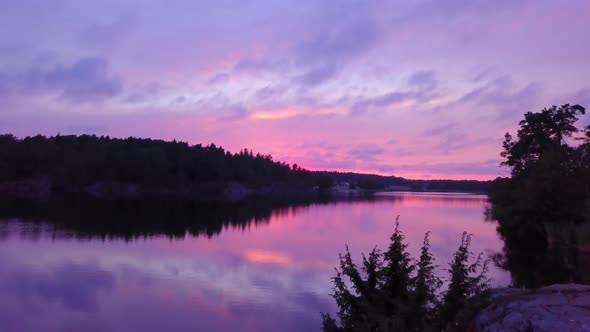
column 420, row 89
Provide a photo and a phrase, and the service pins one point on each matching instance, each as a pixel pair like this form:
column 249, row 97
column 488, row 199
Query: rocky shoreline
column 560, row 307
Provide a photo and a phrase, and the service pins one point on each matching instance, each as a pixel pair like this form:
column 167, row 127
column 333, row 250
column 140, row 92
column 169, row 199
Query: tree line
column 72, row 163
column 549, row 161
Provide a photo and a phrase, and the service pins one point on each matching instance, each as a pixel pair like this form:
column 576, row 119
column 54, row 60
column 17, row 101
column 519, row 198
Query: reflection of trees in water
column 540, row 253
column 139, row 218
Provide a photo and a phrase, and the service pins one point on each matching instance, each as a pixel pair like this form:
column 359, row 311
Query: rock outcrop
column 554, row 308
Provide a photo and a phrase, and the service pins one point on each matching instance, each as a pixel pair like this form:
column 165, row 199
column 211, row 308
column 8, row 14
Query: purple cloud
column 86, row 80
column 423, row 80
column 501, row 97
column 270, row 92
column 366, row 151
column 143, row 93
column 177, row 101
column 421, row 88
column 327, row 52
column 349, row 41
column 438, row 130
column 317, row 76
column 218, row 78
column 234, row 113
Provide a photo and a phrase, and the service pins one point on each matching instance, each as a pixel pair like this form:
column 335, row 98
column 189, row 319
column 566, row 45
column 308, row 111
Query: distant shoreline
column 39, row 167
column 43, row 189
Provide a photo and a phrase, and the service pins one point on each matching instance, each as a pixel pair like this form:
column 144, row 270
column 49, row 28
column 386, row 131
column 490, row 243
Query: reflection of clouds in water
column 267, row 257
column 272, row 277
column 238, row 296
column 61, row 297
column 74, row 285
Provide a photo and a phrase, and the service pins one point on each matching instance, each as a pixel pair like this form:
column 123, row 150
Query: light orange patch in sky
column 279, row 114
column 274, row 115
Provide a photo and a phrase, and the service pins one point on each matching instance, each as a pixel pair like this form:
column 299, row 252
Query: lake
column 271, row 274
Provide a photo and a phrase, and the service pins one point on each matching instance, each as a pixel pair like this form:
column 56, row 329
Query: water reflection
column 538, row 254
column 264, row 269
column 81, row 217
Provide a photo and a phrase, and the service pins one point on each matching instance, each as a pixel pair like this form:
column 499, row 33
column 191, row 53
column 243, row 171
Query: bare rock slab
column 554, row 308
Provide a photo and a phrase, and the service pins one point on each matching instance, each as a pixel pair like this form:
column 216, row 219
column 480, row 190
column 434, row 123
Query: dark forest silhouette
column 550, row 180
column 103, row 166
column 74, row 162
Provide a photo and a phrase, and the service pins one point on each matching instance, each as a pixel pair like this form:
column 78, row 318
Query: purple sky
column 423, row 89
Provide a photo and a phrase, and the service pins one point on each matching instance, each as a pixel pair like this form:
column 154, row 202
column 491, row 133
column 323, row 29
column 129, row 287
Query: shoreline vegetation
column 392, row 291
column 543, row 209
column 40, row 167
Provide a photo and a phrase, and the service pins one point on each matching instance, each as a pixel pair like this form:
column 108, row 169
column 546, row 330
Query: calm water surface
column 268, row 276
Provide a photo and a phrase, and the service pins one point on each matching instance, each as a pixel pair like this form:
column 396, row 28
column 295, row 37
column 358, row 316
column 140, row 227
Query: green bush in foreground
column 393, row 292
